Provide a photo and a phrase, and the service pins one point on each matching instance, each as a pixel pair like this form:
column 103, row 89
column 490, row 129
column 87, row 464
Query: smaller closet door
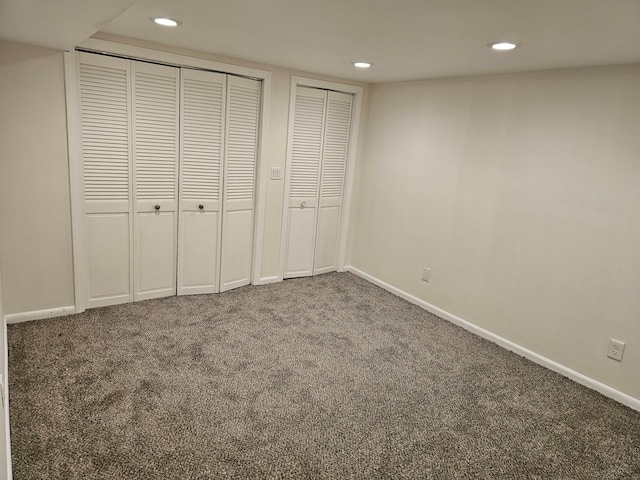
column 243, row 109
column 334, row 160
column 303, row 176
column 202, row 134
column 155, row 96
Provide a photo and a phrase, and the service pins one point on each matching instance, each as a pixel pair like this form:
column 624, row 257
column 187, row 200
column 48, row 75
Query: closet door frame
column 74, row 139
column 354, row 128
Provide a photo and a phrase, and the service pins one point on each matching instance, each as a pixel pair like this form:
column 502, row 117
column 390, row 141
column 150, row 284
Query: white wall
column 35, row 220
column 522, row 194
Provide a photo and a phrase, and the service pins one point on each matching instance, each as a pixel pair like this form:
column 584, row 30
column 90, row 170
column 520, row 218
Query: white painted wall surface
column 521, row 193
column 35, row 218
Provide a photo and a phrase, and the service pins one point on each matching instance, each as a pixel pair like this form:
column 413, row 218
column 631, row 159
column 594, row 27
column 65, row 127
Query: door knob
column 201, row 207
column 303, row 204
column 157, row 207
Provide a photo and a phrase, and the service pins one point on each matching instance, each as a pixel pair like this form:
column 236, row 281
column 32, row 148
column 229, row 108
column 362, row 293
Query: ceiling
column 404, row 39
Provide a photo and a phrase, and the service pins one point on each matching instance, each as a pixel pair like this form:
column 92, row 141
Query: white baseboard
column 606, row 390
column 39, row 314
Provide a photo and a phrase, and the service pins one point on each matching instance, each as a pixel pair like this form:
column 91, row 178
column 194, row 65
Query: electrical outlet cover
column 616, row 349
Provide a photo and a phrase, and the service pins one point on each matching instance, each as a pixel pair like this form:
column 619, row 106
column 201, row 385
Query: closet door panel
column 106, row 172
column 155, row 95
column 334, row 158
column 237, row 236
column 303, row 180
column 202, row 135
column 198, row 264
column 109, row 259
column 300, row 227
column 327, row 239
column 156, row 240
column 243, row 109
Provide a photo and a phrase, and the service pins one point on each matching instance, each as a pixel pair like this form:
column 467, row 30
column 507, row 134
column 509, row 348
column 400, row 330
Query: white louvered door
column 155, row 94
column 315, row 175
column 334, row 158
column 241, row 147
column 200, row 221
column 163, row 148
column 105, row 107
column 303, row 176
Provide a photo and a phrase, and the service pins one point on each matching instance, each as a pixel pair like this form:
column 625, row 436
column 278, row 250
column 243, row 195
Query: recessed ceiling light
column 361, row 64
column 167, row 22
column 502, row 45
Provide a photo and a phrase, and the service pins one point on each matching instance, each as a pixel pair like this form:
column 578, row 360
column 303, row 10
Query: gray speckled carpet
column 327, row 377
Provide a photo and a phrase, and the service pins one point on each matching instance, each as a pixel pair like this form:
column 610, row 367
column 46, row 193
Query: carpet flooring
column 328, row 377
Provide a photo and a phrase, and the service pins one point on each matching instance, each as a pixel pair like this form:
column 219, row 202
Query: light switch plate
column 426, row 274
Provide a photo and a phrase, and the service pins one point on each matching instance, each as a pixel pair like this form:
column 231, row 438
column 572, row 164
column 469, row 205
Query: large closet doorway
column 320, row 133
column 168, row 168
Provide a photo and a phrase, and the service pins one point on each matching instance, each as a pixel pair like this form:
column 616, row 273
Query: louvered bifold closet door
column 202, row 134
column 241, row 148
column 303, row 180
column 106, row 172
column 155, row 96
column 334, row 159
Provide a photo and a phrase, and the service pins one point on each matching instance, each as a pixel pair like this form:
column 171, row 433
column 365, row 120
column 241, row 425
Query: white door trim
column 72, row 76
column 74, row 139
column 261, row 181
column 350, row 167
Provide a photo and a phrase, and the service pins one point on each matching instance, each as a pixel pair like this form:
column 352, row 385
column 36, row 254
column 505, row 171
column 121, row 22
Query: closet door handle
column 201, row 207
column 303, row 204
column 157, row 207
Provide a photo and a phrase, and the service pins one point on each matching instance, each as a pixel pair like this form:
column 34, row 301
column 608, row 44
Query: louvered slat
column 155, row 132
column 105, row 132
column 336, row 144
column 202, row 132
column 244, row 105
column 306, row 147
